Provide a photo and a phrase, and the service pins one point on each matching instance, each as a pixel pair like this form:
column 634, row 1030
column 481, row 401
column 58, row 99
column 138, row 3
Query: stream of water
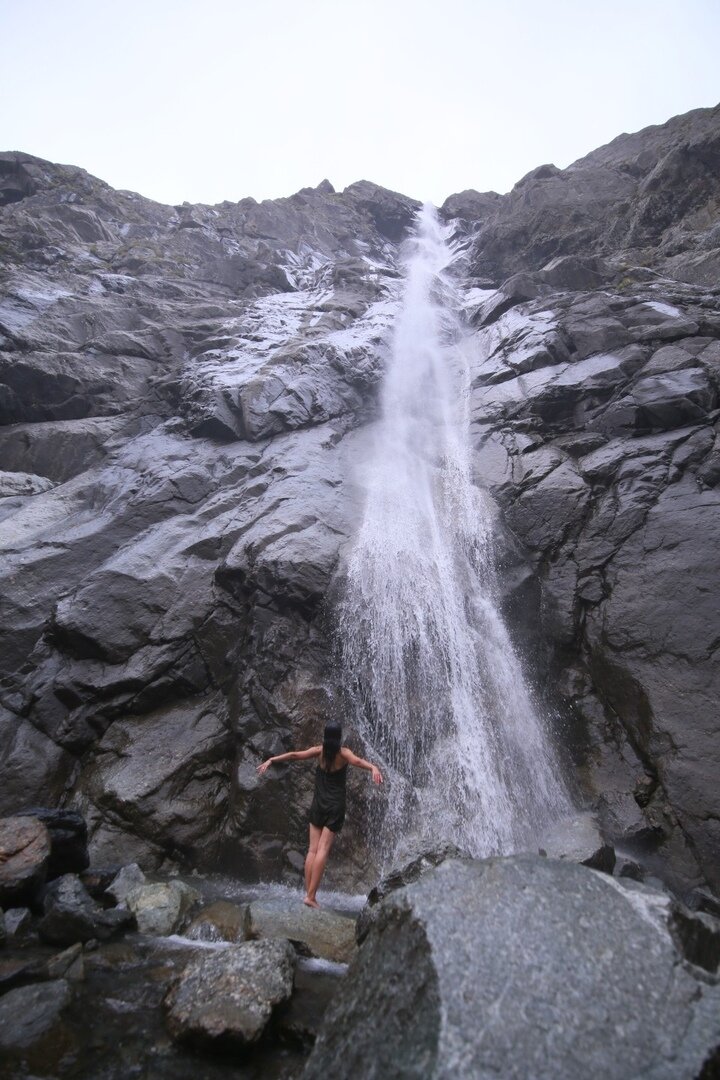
column 435, row 685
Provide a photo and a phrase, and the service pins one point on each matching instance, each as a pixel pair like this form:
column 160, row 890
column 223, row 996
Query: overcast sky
column 208, row 100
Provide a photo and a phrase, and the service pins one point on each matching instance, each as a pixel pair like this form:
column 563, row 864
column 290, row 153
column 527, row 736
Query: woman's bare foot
column 310, row 903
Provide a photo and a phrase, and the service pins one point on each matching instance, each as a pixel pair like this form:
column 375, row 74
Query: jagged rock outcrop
column 649, row 199
column 184, row 391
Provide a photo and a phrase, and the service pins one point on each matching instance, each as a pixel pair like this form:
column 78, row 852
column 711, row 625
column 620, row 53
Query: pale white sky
column 207, row 100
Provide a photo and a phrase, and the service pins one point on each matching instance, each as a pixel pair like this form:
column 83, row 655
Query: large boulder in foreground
column 227, row 998
column 519, row 967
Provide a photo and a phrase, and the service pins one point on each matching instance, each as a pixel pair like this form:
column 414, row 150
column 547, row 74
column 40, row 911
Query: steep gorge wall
column 184, row 391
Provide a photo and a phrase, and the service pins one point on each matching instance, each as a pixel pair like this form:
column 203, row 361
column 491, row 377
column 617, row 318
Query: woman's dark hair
column 332, row 737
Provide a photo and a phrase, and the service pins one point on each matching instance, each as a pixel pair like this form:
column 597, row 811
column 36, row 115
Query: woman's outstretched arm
column 361, row 763
column 293, row 755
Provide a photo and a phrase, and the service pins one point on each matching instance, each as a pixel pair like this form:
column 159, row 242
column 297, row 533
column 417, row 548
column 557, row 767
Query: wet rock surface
column 228, row 997
column 520, row 967
column 113, row 1023
column 33, row 1034
column 184, row 395
column 398, row 878
column 221, row 921
column 579, row 839
column 316, row 932
column 72, row 915
column 127, row 879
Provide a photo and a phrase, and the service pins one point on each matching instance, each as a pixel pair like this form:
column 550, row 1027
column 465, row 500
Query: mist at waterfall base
column 434, row 685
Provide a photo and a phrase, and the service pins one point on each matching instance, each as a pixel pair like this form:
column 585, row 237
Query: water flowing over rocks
column 185, row 393
column 518, row 967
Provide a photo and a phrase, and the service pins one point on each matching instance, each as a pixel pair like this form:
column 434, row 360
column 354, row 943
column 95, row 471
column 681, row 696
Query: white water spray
column 435, row 685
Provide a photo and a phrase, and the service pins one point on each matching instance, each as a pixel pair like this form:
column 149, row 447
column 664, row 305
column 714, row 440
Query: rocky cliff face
column 184, row 391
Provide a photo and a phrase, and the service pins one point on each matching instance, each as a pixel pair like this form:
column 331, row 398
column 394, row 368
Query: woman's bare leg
column 318, row 867
column 310, row 857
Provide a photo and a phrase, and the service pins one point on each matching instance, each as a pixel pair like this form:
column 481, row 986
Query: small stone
column 97, row 880
column 18, row 922
column 644, row 789
column 228, row 997
column 128, row 878
column 628, row 868
column 161, row 908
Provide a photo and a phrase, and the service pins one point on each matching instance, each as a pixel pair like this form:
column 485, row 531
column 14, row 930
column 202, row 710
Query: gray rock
column 18, row 922
column 578, row 839
column 161, row 908
column 698, row 937
column 32, row 766
column 318, row 932
column 128, row 878
column 71, row 914
column 3, row 928
column 34, row 1036
column 220, row 921
column 227, row 998
column 447, row 985
column 399, row 877
column 68, row 839
column 316, row 985
column 148, row 777
column 67, row 964
column 24, row 858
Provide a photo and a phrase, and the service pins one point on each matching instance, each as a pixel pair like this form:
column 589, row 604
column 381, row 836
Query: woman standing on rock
column 327, row 811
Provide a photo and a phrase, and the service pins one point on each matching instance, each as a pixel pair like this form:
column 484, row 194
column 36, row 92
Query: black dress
column 328, row 805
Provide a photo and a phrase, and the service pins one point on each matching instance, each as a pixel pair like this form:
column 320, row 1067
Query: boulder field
column 184, row 391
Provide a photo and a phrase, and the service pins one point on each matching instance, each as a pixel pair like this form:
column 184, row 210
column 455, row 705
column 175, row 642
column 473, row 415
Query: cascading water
column 436, row 688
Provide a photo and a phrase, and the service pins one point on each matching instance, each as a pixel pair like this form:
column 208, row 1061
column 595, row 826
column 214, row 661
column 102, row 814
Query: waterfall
column 434, row 684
